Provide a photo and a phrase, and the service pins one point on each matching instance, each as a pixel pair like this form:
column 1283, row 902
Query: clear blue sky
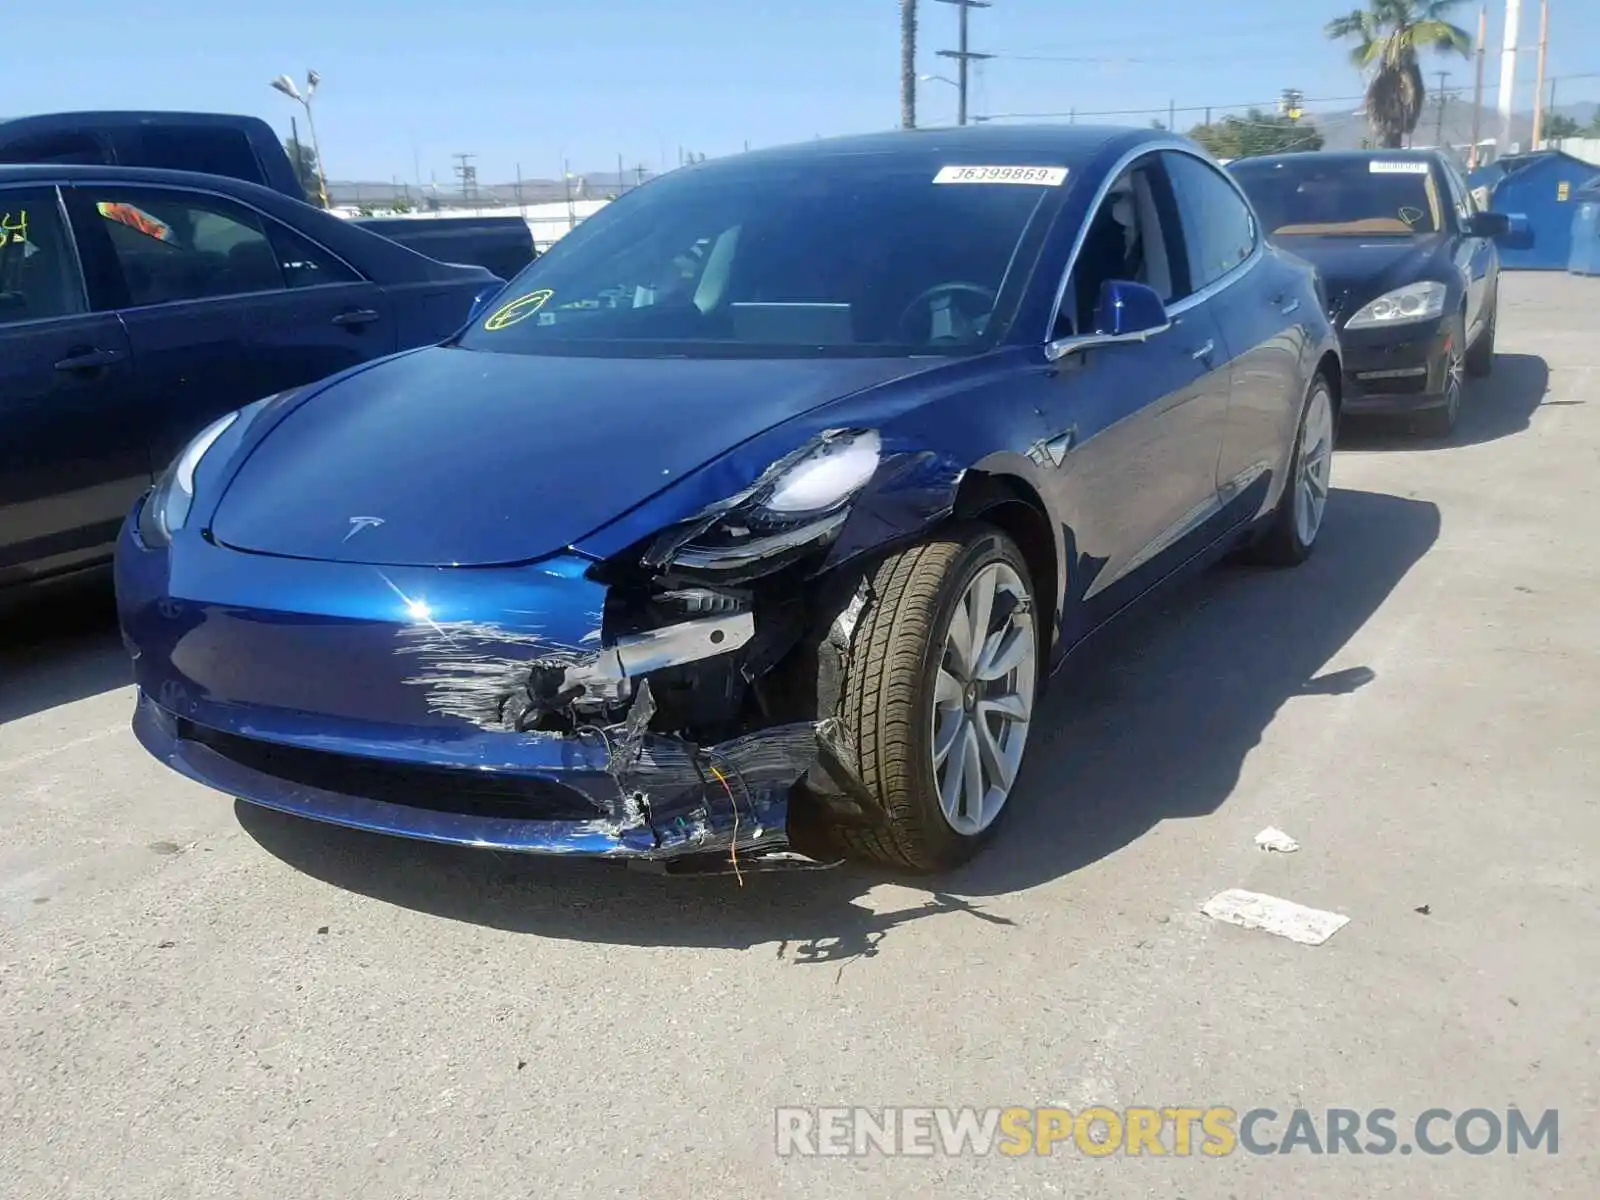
column 537, row 81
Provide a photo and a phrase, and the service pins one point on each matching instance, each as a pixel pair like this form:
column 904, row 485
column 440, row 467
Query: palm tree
column 1388, row 35
column 908, row 64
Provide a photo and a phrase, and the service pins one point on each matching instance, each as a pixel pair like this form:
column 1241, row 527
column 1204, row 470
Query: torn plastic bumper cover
column 610, row 788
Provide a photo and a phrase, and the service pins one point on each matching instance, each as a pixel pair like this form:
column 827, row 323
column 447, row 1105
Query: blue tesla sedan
column 766, row 501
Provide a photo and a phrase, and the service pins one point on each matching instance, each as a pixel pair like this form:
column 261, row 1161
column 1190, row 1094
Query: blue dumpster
column 1586, row 230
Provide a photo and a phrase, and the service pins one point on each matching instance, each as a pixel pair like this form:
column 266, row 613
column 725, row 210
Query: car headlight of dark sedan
column 1403, row 306
column 167, row 507
column 799, row 503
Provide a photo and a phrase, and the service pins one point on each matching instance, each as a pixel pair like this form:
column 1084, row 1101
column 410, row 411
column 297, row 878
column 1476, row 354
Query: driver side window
column 1127, row 241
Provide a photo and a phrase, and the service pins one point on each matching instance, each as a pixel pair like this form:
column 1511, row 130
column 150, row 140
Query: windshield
column 825, row 256
column 1343, row 197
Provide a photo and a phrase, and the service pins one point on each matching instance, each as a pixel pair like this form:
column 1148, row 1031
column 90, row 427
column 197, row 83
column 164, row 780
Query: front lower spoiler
column 659, row 800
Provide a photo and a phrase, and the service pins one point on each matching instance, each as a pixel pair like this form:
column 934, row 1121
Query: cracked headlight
column 1402, row 306
column 167, row 507
column 799, row 503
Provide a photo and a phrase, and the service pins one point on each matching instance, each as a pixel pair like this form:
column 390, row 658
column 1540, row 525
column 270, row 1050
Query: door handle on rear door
column 356, row 316
column 1286, row 304
column 1205, row 352
column 89, row 360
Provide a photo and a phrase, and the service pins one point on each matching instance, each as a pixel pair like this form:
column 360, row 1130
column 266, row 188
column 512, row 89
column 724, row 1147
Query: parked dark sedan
column 138, row 306
column 768, row 498
column 1409, row 264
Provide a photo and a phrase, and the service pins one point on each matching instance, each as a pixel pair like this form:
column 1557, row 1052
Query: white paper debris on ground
column 1273, row 838
column 1252, row 910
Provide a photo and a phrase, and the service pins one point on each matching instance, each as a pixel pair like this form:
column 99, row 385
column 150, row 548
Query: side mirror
column 1125, row 312
column 1488, row 225
column 1518, row 234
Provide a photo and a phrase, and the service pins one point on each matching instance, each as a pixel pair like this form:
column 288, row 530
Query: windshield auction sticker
column 519, row 309
column 1394, row 166
column 1034, row 176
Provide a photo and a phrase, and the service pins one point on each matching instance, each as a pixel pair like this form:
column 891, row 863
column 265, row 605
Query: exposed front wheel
column 1441, row 421
column 938, row 696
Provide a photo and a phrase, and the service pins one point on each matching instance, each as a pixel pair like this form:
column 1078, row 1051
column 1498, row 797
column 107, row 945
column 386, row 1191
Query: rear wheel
column 1292, row 530
column 938, row 696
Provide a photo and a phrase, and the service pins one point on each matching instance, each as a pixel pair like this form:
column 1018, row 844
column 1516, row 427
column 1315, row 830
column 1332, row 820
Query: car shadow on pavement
column 1150, row 722
column 1494, row 407
column 60, row 648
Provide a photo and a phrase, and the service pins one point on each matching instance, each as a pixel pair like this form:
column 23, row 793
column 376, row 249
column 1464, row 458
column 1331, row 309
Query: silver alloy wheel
column 1455, row 372
column 1315, row 467
column 983, row 698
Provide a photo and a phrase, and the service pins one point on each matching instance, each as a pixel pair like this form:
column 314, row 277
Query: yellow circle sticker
column 519, row 309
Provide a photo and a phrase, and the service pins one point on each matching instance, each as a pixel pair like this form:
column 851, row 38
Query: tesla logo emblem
column 357, row 524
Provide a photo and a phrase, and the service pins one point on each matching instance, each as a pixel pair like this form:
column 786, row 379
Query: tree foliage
column 303, row 160
column 1256, row 133
column 1558, row 125
column 1388, row 36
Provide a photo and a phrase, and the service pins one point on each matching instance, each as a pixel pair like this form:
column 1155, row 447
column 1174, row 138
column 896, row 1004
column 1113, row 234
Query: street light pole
column 286, row 85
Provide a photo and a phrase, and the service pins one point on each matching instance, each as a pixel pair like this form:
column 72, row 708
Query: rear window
column 1317, row 196
column 194, row 148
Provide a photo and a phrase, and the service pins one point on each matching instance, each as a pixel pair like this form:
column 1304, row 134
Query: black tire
column 1280, row 543
column 886, row 700
column 1480, row 355
column 1440, row 422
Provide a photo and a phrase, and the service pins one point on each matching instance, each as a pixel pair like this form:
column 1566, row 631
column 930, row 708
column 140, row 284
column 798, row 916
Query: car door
column 72, row 458
column 1258, row 309
column 1475, row 257
column 222, row 304
column 1133, row 429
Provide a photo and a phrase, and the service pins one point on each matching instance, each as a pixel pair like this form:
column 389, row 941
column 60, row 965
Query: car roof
column 1047, row 143
column 1338, row 157
column 76, row 172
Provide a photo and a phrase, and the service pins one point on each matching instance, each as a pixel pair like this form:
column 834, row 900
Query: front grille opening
column 432, row 789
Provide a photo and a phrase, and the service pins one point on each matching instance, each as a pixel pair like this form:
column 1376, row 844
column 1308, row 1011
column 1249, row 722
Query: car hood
column 451, row 457
column 1358, row 269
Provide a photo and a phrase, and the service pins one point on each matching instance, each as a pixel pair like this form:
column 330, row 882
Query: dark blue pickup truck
column 246, row 148
column 136, row 306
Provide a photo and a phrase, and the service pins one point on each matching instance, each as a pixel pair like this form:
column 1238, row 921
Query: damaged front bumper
column 667, row 800
column 477, row 707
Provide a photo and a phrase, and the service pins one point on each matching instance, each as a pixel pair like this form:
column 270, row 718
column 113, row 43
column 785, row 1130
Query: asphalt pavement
column 201, row 999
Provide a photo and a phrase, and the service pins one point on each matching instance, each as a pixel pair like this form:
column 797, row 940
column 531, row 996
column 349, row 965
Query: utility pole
column 1438, row 135
column 963, row 55
column 1477, row 88
column 1508, row 69
column 1172, row 115
column 468, row 175
column 1538, row 88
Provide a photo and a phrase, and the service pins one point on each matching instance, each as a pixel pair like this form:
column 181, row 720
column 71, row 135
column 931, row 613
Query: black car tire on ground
column 887, row 696
column 1280, row 543
column 1441, row 421
column 1480, row 355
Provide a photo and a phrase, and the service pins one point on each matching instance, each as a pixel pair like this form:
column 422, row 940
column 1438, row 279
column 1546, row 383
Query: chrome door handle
column 1292, row 306
column 1205, row 351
